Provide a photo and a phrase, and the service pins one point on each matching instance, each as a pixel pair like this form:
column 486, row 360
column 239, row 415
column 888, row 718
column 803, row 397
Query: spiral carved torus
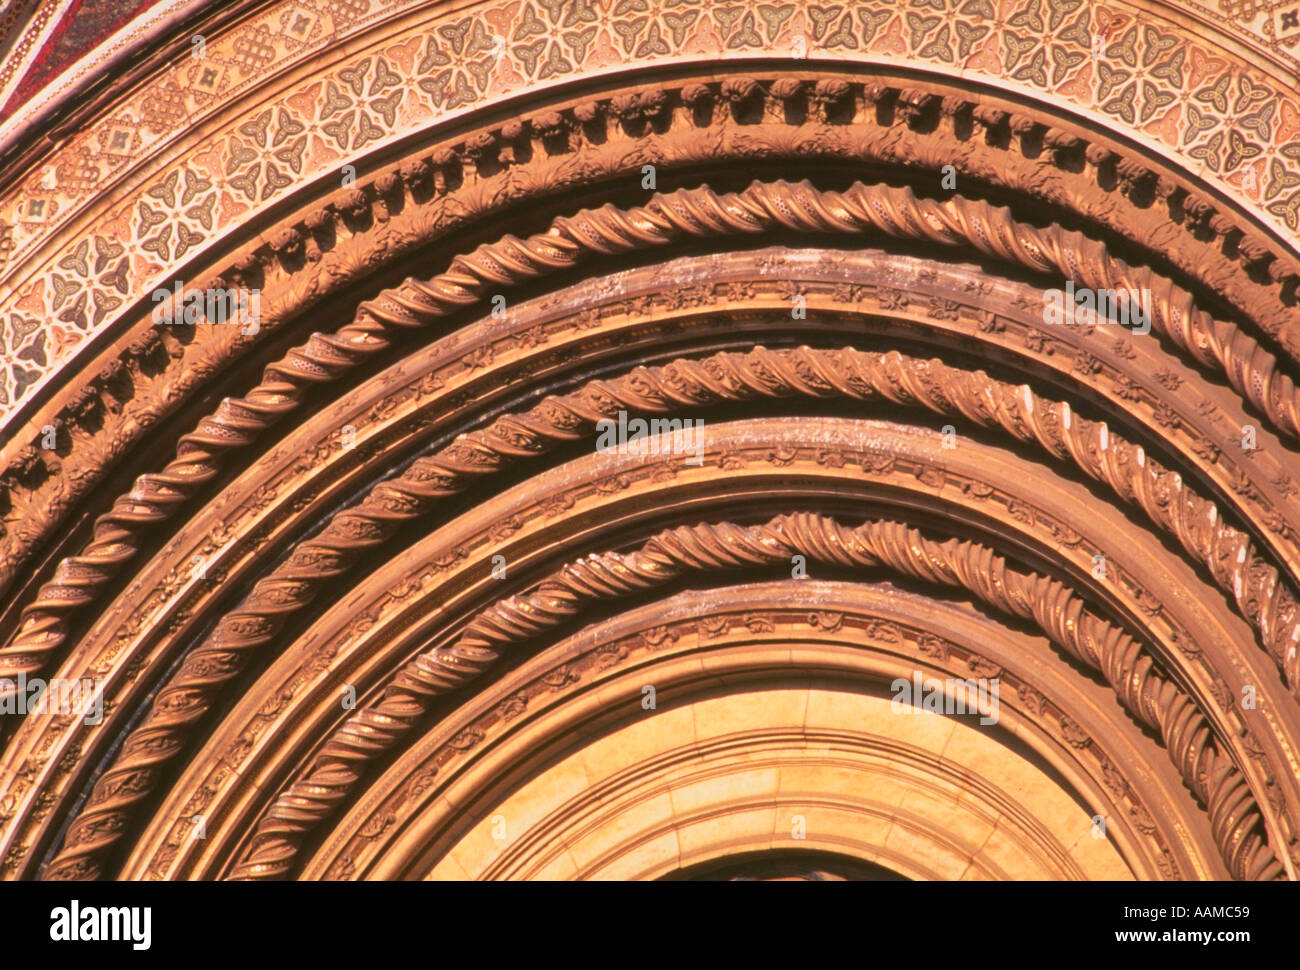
column 1199, row 525
column 799, row 208
column 1142, row 687
column 358, row 581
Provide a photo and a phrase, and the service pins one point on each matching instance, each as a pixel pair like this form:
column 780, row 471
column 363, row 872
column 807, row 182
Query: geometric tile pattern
column 73, row 252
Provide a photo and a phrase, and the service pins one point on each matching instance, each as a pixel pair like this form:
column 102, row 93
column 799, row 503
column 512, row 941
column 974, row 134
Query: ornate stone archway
column 367, row 595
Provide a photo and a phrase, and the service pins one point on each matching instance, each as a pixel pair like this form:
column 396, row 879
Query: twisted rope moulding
column 1266, row 600
column 1144, row 690
column 894, row 212
column 1261, row 595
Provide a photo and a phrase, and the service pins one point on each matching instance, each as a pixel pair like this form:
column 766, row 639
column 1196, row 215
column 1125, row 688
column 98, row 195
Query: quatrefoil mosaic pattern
column 1182, row 95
